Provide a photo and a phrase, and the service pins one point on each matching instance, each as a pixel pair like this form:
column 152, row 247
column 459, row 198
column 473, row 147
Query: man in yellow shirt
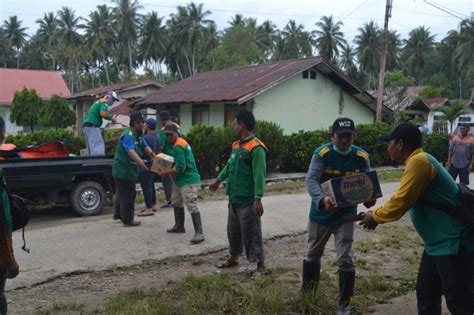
column 447, row 264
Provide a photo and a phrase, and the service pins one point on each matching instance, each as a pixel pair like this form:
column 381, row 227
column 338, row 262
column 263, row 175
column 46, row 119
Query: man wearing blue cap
column 91, row 127
column 147, row 177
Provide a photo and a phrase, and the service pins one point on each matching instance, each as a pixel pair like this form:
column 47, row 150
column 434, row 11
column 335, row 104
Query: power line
column 423, row 13
column 446, row 8
column 357, row 8
column 442, row 9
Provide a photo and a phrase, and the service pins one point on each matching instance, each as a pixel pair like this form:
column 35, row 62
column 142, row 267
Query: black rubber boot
column 311, row 272
column 346, row 291
column 179, row 221
column 198, row 235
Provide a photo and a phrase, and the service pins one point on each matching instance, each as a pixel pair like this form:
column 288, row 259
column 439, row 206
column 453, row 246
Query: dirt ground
column 393, row 251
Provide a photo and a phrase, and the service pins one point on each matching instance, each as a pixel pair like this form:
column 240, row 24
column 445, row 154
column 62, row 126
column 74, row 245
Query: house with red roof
column 46, row 84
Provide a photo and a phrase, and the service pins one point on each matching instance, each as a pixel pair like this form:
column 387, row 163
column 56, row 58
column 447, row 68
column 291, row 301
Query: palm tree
column 347, row 61
column 99, row 35
column 153, row 40
column 451, row 112
column 368, row 49
column 48, row 35
column 126, row 17
column 209, row 47
column 6, row 51
column 463, row 54
column 328, row 38
column 417, row 49
column 15, row 35
column 393, row 51
column 236, row 20
column 297, row 42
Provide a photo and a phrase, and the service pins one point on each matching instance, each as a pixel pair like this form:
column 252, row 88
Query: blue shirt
column 128, row 142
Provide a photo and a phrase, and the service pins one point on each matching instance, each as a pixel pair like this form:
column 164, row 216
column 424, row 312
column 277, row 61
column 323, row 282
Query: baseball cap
column 165, row 115
column 171, row 128
column 465, row 125
column 343, row 125
column 151, row 123
column 407, row 132
column 112, row 94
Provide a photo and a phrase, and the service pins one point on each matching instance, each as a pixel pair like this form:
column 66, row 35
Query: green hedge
column 212, row 145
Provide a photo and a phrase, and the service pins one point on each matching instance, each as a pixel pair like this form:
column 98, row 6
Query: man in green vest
column 244, row 174
column 125, row 169
column 335, row 159
column 93, row 120
column 447, row 264
column 166, row 148
column 186, row 184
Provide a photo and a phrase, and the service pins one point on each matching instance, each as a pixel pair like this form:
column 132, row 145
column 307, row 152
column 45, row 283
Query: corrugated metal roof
column 240, row 84
column 46, row 83
column 114, row 87
column 432, row 102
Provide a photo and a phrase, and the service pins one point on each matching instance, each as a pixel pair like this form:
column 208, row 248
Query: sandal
column 227, row 264
column 145, row 213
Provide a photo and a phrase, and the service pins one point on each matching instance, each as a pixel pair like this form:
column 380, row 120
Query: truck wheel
column 88, row 198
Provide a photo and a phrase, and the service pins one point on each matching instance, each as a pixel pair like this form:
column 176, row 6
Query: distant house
column 46, row 84
column 298, row 94
column 127, row 92
column 435, row 123
column 398, row 98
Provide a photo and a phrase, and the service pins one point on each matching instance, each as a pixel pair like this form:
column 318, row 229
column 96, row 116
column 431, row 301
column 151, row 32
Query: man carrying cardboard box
column 331, row 160
column 185, row 185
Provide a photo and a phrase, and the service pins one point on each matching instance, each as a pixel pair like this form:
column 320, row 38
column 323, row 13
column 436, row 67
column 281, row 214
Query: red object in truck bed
column 47, row 150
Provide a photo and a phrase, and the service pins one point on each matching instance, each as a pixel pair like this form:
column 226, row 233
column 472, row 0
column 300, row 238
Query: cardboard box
column 83, row 152
column 162, row 162
column 353, row 189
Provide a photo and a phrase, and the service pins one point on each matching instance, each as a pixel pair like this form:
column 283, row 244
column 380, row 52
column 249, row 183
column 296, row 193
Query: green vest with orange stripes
column 337, row 165
column 123, row 166
column 185, row 164
column 240, row 183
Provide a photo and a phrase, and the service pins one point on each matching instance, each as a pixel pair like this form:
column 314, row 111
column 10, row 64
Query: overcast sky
column 406, row 14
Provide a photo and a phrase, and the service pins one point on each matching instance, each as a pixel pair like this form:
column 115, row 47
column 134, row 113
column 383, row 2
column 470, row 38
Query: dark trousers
column 451, row 276
column 244, row 230
column 167, row 182
column 3, row 298
column 147, row 181
column 462, row 172
column 124, row 202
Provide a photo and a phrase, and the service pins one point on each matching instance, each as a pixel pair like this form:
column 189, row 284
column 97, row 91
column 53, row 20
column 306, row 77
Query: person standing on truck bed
column 125, row 169
column 147, row 177
column 8, row 265
column 167, row 149
column 91, row 127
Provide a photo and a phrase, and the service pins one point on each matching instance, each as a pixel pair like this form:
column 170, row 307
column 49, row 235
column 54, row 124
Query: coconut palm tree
column 48, row 36
column 15, row 35
column 451, row 113
column 347, row 61
column 236, row 20
column 297, row 41
column 153, row 40
column 392, row 58
column 6, row 51
column 126, row 19
column 328, row 37
column 99, row 36
column 266, row 36
column 417, row 49
column 463, row 57
column 368, row 49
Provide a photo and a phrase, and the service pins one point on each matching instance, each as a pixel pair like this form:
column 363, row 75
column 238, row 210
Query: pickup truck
column 82, row 182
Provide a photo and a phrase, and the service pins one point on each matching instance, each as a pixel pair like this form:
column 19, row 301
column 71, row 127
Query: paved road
column 98, row 243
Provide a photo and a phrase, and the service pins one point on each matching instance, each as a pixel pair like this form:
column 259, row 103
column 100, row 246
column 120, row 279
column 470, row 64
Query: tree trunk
column 194, row 60
column 18, row 58
column 130, row 56
column 188, row 62
column 179, row 70
column 105, row 63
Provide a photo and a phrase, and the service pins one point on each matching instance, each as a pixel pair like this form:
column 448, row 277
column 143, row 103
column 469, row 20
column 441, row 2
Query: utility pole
column 388, row 14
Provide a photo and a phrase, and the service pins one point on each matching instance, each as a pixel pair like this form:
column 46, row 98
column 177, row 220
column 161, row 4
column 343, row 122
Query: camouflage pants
column 185, row 196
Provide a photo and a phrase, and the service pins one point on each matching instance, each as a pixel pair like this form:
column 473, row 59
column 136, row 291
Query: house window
column 437, row 118
column 201, row 114
column 229, row 112
column 309, row 74
column 464, row 119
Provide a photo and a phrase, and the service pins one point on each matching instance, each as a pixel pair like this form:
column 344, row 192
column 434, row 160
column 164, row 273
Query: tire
column 88, row 198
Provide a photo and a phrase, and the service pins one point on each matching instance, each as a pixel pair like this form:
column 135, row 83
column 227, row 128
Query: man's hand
column 13, row 270
column 447, row 165
column 257, row 208
column 370, row 203
column 469, row 168
column 142, row 164
column 368, row 222
column 329, row 203
column 215, row 185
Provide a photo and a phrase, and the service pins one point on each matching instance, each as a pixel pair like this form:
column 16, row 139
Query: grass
column 62, row 308
column 275, row 293
column 390, row 176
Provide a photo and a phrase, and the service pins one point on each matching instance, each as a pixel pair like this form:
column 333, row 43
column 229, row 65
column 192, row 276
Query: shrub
column 73, row 143
column 272, row 135
column 437, row 145
column 298, row 148
column 211, row 147
column 111, row 139
column 366, row 138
